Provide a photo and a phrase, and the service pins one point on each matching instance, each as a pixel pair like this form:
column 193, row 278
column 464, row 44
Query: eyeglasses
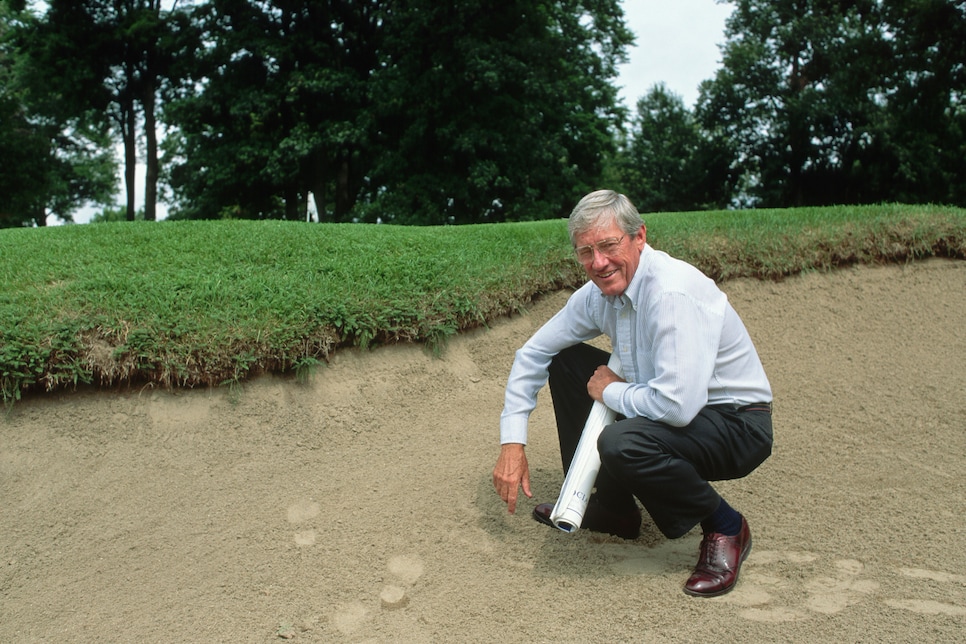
column 607, row 247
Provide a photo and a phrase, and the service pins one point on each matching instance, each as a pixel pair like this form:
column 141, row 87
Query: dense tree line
column 429, row 111
column 816, row 102
column 412, row 111
column 825, row 102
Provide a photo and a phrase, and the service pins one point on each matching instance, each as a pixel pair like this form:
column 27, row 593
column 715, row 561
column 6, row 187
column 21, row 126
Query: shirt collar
column 630, row 295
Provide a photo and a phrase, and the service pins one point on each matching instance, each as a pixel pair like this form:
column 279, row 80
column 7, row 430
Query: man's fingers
column 509, row 492
column 526, row 486
column 510, row 473
column 511, row 500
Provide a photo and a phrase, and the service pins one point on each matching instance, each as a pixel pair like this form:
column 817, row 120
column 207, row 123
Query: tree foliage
column 667, row 163
column 824, row 101
column 495, row 111
column 446, row 111
column 925, row 138
column 412, row 111
column 104, row 62
column 278, row 106
column 51, row 160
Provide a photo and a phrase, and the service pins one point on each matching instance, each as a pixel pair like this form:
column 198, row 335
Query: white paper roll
column 568, row 512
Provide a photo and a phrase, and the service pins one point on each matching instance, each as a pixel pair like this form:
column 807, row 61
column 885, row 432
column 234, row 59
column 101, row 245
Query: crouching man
column 694, row 404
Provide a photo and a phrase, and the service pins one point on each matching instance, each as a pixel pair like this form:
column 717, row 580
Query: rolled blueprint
column 568, row 512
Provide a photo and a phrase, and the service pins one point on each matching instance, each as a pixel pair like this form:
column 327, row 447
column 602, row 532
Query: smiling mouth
column 607, row 274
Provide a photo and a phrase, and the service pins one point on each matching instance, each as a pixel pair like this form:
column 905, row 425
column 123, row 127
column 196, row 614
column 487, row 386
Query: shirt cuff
column 614, row 394
column 513, row 429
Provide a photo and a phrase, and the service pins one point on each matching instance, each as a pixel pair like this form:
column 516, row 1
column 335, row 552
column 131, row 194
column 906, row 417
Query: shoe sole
column 539, row 518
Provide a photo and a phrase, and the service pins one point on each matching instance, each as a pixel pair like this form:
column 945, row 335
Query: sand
column 358, row 506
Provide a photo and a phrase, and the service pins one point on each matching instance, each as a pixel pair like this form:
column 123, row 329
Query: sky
column 676, row 43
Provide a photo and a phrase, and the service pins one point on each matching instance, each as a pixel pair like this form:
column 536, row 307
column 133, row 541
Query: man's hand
column 602, row 377
column 511, row 473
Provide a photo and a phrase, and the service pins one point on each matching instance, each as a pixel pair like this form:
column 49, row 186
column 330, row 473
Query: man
column 694, row 405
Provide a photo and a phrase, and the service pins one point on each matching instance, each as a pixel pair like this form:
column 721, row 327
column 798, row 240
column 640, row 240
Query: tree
column 105, row 58
column 49, row 164
column 924, row 138
column 284, row 109
column 495, row 111
column 827, row 101
column 771, row 99
column 409, row 111
column 667, row 163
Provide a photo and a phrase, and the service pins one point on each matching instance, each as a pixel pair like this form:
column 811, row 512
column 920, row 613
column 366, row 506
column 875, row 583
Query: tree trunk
column 151, row 150
column 343, row 202
column 41, row 217
column 128, row 135
column 149, row 90
column 292, row 202
column 797, row 133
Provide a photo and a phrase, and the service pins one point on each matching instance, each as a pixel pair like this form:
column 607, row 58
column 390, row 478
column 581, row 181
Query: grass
column 183, row 304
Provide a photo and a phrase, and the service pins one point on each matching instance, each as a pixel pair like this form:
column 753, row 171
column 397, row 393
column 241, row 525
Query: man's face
column 613, row 269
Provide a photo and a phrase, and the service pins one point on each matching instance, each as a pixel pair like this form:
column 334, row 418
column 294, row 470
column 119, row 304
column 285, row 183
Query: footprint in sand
column 302, row 511
column 927, row 606
column 768, row 575
column 772, row 590
column 407, row 570
column 844, row 587
column 349, row 618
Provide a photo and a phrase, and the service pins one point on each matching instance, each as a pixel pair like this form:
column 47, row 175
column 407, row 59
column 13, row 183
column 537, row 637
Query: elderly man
column 694, row 404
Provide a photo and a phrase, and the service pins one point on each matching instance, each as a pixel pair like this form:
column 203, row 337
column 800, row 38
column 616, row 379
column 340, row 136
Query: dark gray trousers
column 667, row 468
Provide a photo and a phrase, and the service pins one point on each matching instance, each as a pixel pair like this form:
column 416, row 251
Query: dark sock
column 725, row 520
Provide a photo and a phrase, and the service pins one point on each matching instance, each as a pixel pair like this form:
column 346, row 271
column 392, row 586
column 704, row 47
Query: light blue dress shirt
column 681, row 343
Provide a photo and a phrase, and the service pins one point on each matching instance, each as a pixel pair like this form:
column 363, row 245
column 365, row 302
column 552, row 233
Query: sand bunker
column 359, row 507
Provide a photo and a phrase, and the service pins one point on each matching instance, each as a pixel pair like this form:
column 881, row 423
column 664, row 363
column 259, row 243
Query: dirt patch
column 358, row 507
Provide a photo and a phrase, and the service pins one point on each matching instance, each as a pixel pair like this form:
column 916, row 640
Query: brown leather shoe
column 719, row 563
column 597, row 518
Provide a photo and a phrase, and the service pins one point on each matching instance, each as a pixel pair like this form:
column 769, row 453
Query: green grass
column 182, row 304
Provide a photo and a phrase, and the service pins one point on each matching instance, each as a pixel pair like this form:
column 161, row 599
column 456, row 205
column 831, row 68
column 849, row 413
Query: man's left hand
column 599, row 381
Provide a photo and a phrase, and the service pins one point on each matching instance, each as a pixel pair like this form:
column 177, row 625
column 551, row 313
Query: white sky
column 676, row 43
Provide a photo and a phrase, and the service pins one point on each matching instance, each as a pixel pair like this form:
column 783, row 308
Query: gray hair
column 595, row 209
